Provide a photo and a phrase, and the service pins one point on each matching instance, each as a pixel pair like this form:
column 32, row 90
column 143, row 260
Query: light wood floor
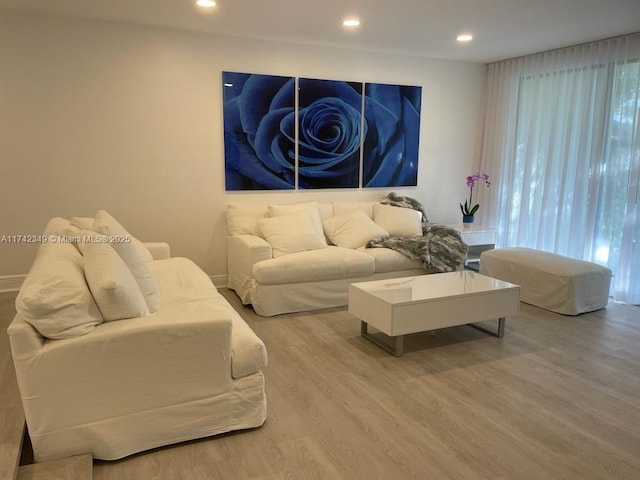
column 556, row 398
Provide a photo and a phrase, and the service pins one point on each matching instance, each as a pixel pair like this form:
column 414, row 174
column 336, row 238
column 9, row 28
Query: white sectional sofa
column 113, row 358
column 303, row 256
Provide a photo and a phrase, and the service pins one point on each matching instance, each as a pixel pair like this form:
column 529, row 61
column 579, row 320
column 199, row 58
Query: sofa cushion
column 243, row 219
column 388, row 260
column 105, row 224
column 398, row 221
column 327, row 264
column 340, row 208
column 293, row 233
column 352, row 230
column 289, row 208
column 55, row 298
column 311, row 207
column 180, row 280
column 86, row 223
column 112, row 284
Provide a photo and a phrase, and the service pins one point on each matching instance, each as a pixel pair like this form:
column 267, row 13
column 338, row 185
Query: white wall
column 100, row 115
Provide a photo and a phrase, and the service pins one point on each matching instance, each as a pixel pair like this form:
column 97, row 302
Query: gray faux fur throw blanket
column 440, row 249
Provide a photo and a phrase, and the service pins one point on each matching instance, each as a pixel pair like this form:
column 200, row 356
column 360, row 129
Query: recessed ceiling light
column 206, row 3
column 464, row 37
column 351, row 22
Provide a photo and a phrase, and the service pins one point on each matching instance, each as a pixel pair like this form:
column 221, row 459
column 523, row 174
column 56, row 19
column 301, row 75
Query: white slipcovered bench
column 550, row 281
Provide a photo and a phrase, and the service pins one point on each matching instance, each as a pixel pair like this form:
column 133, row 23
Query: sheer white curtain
column 562, row 144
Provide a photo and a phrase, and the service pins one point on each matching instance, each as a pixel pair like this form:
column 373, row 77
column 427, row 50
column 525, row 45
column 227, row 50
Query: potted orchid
column 468, row 211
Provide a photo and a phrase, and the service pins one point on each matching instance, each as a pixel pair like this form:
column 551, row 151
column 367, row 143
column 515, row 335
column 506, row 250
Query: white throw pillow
column 105, row 224
column 352, row 230
column 288, row 209
column 398, row 221
column 55, row 298
column 292, row 233
column 86, row 223
column 112, row 284
column 243, row 219
column 83, row 223
column 340, row 208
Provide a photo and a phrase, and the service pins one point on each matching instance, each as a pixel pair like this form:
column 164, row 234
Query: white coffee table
column 428, row 302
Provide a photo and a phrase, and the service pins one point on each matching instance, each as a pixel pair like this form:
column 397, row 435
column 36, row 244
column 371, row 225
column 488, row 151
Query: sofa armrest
column 25, row 340
column 243, row 251
column 180, row 354
column 158, row 250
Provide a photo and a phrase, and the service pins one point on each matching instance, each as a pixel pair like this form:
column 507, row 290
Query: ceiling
column 501, row 28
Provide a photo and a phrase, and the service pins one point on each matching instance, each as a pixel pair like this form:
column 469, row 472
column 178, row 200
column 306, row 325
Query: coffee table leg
column 496, row 333
column 398, row 341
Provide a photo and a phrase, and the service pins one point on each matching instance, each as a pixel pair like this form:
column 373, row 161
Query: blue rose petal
column 312, row 90
column 285, row 97
column 385, row 121
column 256, row 99
column 392, row 162
column 387, row 95
column 411, row 128
column 243, row 169
column 270, row 144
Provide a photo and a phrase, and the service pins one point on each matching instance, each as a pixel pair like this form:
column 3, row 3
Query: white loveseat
column 185, row 366
column 281, row 260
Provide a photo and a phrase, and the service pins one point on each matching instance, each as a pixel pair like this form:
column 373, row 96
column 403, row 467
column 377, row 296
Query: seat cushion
column 387, row 260
column 326, row 264
column 180, row 280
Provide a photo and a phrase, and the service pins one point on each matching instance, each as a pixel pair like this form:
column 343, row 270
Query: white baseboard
column 220, row 281
column 11, row 283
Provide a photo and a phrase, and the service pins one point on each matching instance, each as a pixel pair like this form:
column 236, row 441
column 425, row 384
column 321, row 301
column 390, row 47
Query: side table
column 478, row 239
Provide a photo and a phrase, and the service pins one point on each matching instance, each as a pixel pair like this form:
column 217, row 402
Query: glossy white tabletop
column 434, row 286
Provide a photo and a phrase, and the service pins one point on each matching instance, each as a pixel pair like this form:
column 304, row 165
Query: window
column 565, row 144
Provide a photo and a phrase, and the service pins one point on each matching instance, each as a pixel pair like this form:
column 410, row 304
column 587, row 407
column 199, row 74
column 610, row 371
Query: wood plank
column 78, row 467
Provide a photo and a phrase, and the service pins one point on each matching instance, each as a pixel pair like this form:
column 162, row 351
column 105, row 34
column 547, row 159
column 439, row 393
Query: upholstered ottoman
column 553, row 282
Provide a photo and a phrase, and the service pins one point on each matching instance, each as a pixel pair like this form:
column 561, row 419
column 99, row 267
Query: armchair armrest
column 243, row 251
column 158, row 250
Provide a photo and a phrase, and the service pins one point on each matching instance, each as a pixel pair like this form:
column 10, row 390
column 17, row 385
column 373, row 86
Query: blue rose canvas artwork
column 259, row 133
column 392, row 124
column 348, row 134
column 329, row 133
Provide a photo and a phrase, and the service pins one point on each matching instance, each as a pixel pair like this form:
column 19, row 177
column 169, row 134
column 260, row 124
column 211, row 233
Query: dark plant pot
column 467, row 218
